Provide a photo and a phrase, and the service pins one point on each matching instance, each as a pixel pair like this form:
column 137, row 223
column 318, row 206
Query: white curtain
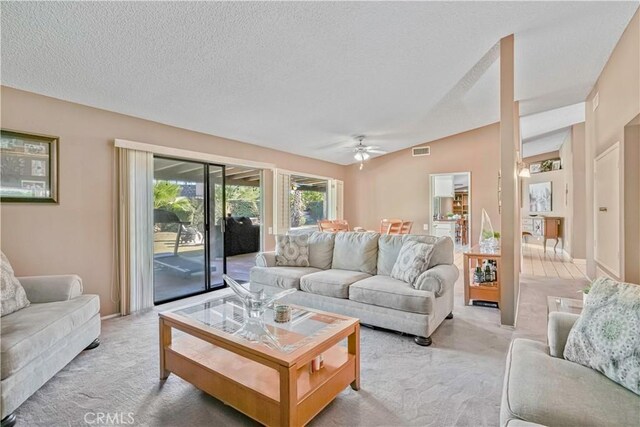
column 134, row 228
column 336, row 199
column 281, row 209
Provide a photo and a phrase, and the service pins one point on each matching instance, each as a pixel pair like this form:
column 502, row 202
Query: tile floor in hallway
column 537, row 262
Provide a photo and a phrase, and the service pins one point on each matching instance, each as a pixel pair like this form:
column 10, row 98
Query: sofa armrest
column 437, row 279
column 41, row 289
column 558, row 329
column 266, row 259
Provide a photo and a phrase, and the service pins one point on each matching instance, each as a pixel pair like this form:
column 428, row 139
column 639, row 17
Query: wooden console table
column 487, row 291
column 546, row 227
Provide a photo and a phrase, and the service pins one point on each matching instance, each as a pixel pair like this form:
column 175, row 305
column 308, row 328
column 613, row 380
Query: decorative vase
column 488, row 241
column 255, row 303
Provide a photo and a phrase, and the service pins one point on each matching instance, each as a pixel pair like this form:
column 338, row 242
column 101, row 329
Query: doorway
column 207, row 222
column 451, row 207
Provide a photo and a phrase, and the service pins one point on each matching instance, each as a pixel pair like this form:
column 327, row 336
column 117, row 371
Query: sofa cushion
column 384, row 291
column 550, row 391
column 321, row 249
column 31, row 331
column 356, row 252
column 292, row 250
column 442, row 248
column 389, row 246
column 412, row 261
column 281, row 277
column 331, row 283
column 606, row 336
column 12, row 294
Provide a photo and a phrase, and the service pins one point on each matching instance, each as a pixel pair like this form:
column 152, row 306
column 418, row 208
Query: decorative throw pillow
column 412, row 260
column 606, row 337
column 292, row 250
column 12, row 295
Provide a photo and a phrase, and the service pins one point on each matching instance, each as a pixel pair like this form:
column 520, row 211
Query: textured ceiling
column 546, row 131
column 305, row 77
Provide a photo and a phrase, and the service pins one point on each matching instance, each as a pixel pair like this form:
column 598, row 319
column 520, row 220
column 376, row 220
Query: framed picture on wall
column 534, row 168
column 29, row 168
column 540, row 197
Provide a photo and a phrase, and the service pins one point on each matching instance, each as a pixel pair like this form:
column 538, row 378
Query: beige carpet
column 455, row 382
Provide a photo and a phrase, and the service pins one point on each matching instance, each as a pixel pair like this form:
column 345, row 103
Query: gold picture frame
column 29, row 167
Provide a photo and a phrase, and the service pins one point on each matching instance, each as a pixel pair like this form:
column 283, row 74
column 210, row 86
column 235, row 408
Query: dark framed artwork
column 29, row 167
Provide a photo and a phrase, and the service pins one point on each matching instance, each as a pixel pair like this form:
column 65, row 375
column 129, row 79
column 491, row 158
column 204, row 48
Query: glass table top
column 227, row 314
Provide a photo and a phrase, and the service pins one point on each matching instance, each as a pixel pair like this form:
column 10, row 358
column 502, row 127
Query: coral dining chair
column 390, row 226
column 406, row 227
column 333, row 226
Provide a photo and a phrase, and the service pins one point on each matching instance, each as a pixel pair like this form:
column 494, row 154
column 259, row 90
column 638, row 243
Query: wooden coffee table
column 272, row 384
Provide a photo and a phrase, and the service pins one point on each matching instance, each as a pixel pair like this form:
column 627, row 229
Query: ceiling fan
column 363, row 152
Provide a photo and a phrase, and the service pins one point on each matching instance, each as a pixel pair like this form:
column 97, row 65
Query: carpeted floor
column 455, row 382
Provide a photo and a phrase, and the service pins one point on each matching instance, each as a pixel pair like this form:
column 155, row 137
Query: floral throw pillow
column 292, row 250
column 12, row 294
column 412, row 261
column 606, row 337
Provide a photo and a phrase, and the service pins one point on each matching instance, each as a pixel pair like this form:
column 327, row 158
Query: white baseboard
column 580, row 261
column 110, row 316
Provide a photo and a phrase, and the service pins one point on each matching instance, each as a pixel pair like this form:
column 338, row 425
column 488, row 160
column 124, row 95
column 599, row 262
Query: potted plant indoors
column 585, row 292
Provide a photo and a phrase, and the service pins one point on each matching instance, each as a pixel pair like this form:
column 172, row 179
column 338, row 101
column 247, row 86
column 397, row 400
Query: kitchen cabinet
column 445, row 229
column 443, row 186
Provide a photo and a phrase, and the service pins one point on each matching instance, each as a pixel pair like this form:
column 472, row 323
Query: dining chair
column 333, row 226
column 325, row 225
column 406, row 227
column 390, row 226
column 341, row 224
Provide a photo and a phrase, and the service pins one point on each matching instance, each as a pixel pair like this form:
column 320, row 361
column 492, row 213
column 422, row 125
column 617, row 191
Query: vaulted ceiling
column 306, row 77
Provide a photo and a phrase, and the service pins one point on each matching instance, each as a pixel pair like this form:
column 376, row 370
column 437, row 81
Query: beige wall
column 76, row 236
column 568, row 188
column 578, row 193
column 632, row 202
column 397, row 185
column 558, row 199
column 618, row 88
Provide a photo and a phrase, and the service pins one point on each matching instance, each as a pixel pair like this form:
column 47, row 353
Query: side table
column 487, row 291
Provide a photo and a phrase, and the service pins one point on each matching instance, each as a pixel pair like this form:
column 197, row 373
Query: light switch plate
column 425, row 227
column 270, row 230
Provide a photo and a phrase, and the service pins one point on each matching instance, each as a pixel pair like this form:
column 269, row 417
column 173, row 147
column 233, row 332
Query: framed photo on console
column 29, row 167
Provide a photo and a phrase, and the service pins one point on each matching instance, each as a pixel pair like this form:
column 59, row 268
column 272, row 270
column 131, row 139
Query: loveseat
column 42, row 338
column 542, row 388
column 349, row 273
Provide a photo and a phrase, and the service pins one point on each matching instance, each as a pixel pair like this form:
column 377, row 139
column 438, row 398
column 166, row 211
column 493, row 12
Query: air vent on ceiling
column 421, row 151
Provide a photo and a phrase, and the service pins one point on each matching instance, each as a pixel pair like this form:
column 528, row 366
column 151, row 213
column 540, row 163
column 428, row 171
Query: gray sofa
column 349, row 274
column 39, row 340
column 541, row 388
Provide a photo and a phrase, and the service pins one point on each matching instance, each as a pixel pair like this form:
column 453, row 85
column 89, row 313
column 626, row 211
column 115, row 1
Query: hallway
column 537, row 262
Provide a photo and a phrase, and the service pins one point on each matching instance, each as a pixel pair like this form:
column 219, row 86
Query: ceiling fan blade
column 371, row 147
column 377, row 151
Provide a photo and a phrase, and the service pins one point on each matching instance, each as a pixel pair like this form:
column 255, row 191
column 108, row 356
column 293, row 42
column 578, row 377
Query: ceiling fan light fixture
column 361, row 156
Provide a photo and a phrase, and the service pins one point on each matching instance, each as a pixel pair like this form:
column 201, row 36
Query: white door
column 607, row 209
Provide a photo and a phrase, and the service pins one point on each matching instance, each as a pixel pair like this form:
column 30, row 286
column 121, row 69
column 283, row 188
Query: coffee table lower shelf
column 255, row 388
